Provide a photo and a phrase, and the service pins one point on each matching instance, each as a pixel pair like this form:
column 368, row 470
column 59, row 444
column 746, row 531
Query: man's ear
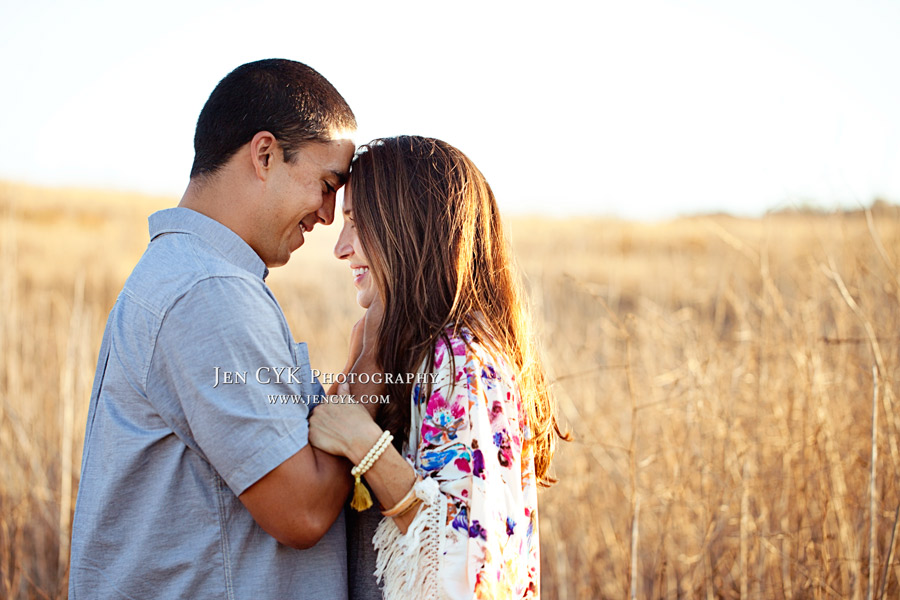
column 263, row 147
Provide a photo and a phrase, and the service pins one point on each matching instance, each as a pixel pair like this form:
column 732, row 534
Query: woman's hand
column 357, row 337
column 372, row 324
column 364, row 337
column 342, row 428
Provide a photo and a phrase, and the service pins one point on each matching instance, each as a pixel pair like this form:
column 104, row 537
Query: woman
column 473, row 423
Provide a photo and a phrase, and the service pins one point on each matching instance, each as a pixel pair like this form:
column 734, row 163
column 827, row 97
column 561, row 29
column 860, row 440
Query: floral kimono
column 476, row 534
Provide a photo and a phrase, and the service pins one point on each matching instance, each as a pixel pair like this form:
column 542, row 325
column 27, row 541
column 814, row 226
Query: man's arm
column 271, row 498
column 274, row 499
column 297, row 502
column 258, row 446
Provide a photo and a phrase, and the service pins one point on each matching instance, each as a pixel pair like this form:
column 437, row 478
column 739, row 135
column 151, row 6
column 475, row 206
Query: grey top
column 361, row 553
column 170, row 444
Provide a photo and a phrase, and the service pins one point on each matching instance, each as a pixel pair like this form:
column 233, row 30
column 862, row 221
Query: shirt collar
column 224, row 240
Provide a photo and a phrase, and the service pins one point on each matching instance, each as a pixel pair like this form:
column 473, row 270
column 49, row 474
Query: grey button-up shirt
column 182, row 420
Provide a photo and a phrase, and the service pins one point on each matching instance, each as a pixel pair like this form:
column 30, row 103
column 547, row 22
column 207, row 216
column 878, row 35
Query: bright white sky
column 643, row 109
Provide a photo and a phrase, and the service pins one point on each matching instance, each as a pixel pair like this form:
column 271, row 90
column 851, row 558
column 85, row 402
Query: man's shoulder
column 176, row 263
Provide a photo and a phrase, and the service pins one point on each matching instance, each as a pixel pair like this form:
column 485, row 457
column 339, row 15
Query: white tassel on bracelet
column 361, row 497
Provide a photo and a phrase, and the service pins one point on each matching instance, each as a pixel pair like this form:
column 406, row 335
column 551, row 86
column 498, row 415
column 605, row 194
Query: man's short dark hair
column 288, row 99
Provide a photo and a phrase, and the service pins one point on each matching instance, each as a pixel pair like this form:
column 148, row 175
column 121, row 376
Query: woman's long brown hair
column 429, row 226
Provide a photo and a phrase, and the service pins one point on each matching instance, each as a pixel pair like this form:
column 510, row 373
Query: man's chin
column 278, row 262
column 293, row 249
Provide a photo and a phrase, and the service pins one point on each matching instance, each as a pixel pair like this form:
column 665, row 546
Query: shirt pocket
column 309, row 385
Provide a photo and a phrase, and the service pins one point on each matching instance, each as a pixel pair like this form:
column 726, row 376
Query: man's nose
column 326, row 213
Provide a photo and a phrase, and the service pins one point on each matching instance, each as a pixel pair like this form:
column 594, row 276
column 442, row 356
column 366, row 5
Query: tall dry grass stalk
column 873, row 473
column 716, row 373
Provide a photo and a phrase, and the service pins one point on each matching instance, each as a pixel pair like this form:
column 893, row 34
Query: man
column 192, row 484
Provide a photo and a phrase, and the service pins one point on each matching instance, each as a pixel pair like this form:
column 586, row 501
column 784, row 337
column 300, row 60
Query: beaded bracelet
column 361, row 497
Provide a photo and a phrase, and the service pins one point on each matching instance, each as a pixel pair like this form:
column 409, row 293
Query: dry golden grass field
column 731, row 384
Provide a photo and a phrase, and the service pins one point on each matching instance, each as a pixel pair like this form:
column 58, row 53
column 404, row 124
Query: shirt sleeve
column 229, row 380
column 470, row 446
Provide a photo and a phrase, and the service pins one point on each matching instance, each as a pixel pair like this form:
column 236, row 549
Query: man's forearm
column 333, row 478
column 299, row 500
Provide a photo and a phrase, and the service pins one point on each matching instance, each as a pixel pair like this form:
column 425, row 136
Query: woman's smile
column 359, row 273
column 349, row 248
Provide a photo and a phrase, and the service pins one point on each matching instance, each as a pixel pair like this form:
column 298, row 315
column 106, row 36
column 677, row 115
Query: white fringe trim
column 410, row 563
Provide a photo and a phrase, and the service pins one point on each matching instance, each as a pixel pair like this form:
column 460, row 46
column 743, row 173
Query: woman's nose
column 343, row 249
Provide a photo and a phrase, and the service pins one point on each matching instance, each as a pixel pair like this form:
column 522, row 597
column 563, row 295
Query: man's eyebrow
column 342, row 176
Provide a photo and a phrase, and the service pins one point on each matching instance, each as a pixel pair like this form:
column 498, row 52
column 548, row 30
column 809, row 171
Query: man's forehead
column 345, row 147
column 332, row 156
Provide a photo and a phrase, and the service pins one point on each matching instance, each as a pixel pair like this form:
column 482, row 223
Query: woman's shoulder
column 460, row 361
column 464, row 350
